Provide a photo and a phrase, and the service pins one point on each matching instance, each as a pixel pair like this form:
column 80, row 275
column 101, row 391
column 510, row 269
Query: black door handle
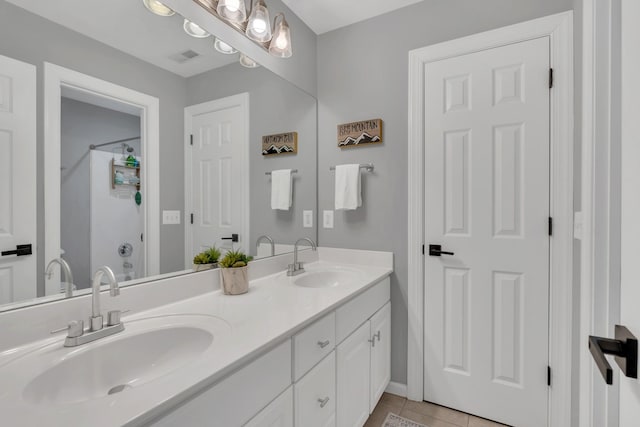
column 436, row 250
column 20, row 250
column 624, row 348
column 233, row 238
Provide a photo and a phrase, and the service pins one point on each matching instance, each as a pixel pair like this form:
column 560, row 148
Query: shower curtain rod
column 93, row 146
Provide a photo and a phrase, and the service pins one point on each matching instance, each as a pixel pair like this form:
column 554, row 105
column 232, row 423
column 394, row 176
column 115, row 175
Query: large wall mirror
column 126, row 142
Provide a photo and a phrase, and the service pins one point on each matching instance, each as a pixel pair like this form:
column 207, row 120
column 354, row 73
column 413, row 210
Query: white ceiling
column 127, row 26
column 326, row 15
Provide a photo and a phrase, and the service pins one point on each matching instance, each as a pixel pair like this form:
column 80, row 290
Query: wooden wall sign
column 357, row 134
column 281, row 143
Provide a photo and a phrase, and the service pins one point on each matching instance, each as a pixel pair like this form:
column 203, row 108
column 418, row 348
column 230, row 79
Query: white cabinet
column 364, row 369
column 312, row 344
column 279, row 413
column 353, row 360
column 315, row 395
column 380, row 354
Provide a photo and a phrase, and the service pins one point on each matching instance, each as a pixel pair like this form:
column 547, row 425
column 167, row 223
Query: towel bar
column 292, row 171
column 367, row 166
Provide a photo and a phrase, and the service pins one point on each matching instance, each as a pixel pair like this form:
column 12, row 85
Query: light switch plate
column 170, row 217
column 327, row 219
column 307, row 219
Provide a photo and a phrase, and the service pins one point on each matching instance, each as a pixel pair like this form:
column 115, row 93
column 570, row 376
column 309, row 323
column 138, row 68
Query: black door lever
column 20, row 250
column 436, row 250
column 624, row 348
column 233, row 238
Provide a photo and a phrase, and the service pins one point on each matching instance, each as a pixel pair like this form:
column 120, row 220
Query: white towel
column 348, row 190
column 281, row 189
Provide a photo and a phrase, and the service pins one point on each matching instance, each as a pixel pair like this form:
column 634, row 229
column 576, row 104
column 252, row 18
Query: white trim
column 55, row 78
column 240, row 100
column 398, row 389
column 587, row 208
column 559, row 28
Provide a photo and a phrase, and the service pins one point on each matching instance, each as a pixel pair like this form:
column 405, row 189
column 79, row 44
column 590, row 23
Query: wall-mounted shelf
column 117, row 166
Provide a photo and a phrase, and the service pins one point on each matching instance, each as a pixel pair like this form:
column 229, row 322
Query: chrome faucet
column 114, row 290
column 68, row 276
column 76, row 334
column 298, row 267
column 270, row 240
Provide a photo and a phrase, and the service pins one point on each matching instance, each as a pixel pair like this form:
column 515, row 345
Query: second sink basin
column 326, row 278
column 148, row 349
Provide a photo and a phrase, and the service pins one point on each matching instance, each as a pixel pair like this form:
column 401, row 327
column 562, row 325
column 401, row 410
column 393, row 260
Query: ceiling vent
column 185, row 56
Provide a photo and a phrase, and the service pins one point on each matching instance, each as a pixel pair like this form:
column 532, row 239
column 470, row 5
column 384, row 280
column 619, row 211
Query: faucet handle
column 74, row 329
column 113, row 317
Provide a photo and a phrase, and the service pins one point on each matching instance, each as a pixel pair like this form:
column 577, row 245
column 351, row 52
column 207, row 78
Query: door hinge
column 191, row 218
column 550, row 226
column 549, row 376
column 422, row 249
column 191, row 139
column 550, row 78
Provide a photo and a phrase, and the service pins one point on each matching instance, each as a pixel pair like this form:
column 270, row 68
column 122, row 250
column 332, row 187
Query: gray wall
column 276, row 106
column 362, row 74
column 56, row 44
column 82, row 125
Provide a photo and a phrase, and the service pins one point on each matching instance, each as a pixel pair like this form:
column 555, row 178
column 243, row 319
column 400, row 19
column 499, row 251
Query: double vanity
column 306, row 350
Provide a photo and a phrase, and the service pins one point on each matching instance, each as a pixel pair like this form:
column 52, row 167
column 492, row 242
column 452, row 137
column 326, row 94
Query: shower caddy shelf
column 115, row 166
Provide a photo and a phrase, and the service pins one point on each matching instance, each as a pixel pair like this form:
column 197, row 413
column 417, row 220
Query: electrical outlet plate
column 327, row 219
column 170, row 217
column 307, row 219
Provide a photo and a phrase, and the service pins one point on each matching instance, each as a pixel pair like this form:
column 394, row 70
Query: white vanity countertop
column 274, row 309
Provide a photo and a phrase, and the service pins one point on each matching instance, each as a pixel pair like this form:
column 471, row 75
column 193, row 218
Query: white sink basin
column 327, row 278
column 146, row 350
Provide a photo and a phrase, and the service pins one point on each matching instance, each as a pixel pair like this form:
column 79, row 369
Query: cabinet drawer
column 235, row 399
column 279, row 413
column 312, row 344
column 315, row 395
column 361, row 308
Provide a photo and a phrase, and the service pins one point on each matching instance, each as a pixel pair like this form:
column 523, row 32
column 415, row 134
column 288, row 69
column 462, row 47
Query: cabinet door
column 315, row 395
column 353, row 360
column 279, row 413
column 380, row 354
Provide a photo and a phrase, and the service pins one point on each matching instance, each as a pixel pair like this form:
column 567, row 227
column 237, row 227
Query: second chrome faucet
column 298, row 267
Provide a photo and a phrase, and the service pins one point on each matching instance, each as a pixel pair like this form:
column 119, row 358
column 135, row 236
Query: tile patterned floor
column 424, row 413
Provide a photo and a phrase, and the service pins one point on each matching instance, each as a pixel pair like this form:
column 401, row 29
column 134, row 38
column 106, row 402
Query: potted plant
column 235, row 272
column 207, row 259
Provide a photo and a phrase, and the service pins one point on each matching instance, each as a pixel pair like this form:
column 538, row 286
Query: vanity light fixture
column 223, row 47
column 247, row 62
column 281, row 41
column 158, row 8
column 258, row 26
column 232, row 10
column 194, row 30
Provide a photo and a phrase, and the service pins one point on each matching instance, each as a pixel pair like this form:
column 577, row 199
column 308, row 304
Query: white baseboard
column 397, row 388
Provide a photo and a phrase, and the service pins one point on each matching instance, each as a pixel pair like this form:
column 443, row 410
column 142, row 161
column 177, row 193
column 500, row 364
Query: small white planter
column 235, row 281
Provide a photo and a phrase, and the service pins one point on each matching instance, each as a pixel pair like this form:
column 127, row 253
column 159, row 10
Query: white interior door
column 630, row 251
column 487, row 201
column 17, row 178
column 218, row 166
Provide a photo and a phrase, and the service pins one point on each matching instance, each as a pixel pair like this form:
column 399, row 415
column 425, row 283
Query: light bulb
column 158, row 8
column 281, row 41
column 233, row 5
column 259, row 26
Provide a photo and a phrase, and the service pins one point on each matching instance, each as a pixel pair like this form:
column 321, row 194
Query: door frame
column 55, row 79
column 559, row 29
column 240, row 100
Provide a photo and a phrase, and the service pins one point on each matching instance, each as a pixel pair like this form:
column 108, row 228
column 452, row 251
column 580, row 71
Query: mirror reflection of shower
column 101, row 199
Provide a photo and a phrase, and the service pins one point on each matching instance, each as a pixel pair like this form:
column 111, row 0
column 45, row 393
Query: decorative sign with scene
column 281, row 143
column 357, row 134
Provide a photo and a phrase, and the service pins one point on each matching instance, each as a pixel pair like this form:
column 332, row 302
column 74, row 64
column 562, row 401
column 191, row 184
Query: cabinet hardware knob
column 323, row 344
column 323, row 402
column 377, row 335
column 372, row 341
